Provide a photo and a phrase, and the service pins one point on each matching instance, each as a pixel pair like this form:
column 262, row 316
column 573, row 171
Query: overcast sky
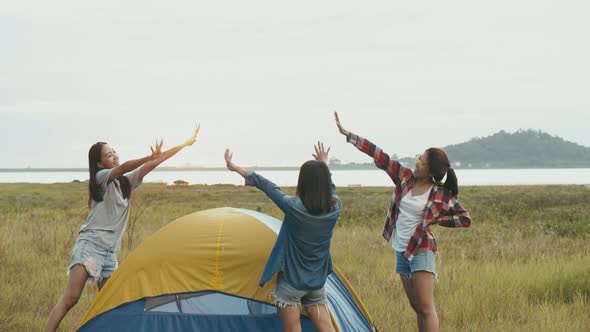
column 263, row 77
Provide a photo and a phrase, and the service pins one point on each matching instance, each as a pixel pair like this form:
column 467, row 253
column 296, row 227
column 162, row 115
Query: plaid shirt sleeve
column 454, row 215
column 396, row 171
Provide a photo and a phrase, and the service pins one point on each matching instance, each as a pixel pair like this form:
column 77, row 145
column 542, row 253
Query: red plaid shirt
column 442, row 207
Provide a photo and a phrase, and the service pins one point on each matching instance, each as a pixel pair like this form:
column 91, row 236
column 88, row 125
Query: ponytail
column 451, row 183
column 439, row 165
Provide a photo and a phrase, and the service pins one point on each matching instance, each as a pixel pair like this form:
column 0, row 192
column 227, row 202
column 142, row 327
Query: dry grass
column 523, row 266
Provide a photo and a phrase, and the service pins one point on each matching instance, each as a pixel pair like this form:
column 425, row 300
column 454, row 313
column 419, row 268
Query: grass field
column 524, row 265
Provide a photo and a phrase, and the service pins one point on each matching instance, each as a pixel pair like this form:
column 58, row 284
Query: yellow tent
column 201, row 272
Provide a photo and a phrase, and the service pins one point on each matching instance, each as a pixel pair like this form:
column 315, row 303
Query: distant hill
column 522, row 149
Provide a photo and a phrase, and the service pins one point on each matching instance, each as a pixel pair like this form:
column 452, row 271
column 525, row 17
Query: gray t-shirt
column 107, row 219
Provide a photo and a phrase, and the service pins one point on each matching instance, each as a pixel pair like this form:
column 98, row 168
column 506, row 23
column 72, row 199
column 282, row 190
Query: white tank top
column 411, row 214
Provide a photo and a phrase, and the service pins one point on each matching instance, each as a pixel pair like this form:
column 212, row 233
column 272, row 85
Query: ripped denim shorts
column 99, row 263
column 424, row 261
column 287, row 295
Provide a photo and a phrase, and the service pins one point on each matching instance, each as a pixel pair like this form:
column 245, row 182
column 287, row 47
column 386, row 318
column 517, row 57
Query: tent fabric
column 217, row 255
column 208, row 303
column 132, row 317
column 344, row 306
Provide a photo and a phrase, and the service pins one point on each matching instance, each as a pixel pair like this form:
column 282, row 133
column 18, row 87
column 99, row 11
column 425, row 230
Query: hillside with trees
column 521, row 149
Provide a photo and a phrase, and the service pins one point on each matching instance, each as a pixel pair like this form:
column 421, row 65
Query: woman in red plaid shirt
column 419, row 200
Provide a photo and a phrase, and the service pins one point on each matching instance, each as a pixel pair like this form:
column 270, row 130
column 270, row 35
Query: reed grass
column 524, row 265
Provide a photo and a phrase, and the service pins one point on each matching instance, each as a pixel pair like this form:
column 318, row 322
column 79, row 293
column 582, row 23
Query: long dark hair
column 314, row 187
column 439, row 165
column 94, row 157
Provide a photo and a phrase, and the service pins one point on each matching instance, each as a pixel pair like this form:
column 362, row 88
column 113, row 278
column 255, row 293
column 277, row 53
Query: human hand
column 339, row 125
column 193, row 138
column 228, row 160
column 157, row 149
column 321, row 154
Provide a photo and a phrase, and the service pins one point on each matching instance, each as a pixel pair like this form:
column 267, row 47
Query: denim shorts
column 99, row 263
column 424, row 261
column 287, row 295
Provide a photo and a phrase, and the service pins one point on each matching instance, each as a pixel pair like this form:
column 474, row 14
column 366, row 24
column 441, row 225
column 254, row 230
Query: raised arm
column 160, row 157
column 128, row 166
column 257, row 180
column 396, row 171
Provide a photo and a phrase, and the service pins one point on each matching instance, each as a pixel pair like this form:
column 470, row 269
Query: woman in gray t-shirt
column 110, row 186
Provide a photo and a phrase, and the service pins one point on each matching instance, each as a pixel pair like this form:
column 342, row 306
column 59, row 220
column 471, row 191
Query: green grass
column 524, row 265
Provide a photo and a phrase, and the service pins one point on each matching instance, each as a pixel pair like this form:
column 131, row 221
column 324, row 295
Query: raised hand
column 339, row 125
column 193, row 138
column 321, row 154
column 231, row 165
column 228, row 162
column 157, row 149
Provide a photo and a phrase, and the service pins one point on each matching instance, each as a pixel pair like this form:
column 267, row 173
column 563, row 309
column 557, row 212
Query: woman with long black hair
column 301, row 253
column 111, row 184
column 420, row 200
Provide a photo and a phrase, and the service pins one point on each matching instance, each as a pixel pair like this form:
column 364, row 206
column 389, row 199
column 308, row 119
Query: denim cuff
column 249, row 178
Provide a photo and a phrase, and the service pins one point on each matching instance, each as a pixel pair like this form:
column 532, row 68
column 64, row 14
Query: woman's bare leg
column 76, row 282
column 410, row 289
column 424, row 287
column 290, row 317
column 320, row 316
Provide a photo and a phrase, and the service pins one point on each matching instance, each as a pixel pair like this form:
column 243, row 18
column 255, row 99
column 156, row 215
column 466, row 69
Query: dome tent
column 200, row 273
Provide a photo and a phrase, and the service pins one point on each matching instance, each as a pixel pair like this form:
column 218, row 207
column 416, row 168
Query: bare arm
column 128, row 166
column 160, row 157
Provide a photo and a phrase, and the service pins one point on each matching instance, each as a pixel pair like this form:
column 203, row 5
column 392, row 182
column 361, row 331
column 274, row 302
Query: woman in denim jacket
column 301, row 253
column 419, row 200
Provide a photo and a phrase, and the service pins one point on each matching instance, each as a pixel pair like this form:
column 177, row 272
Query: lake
column 365, row 178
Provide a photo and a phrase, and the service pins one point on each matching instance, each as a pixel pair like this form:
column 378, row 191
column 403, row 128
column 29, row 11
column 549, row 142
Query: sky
column 264, row 77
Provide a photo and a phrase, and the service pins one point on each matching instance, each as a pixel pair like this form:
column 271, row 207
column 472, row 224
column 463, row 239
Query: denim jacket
column 302, row 248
